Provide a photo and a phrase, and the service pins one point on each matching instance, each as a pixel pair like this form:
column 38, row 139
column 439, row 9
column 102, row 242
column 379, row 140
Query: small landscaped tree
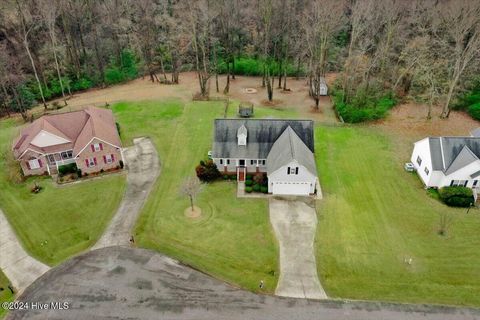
column 190, row 188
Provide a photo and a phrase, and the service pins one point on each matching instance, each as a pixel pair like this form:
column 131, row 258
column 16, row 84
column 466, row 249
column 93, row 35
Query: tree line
column 383, row 50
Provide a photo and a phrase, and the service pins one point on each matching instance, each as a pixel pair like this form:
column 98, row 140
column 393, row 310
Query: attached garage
column 291, row 188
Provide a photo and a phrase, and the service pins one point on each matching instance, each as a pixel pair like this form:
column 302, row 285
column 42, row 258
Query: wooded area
column 383, row 50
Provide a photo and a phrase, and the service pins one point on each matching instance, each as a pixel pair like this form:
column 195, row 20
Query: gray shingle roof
column 262, row 134
column 452, row 153
column 465, row 157
column 475, row 133
column 290, row 147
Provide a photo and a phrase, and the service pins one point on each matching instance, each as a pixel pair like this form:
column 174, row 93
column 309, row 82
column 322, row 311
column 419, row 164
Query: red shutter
column 104, row 159
column 95, row 161
column 86, row 162
column 113, row 158
column 40, row 163
column 93, row 148
column 101, row 146
column 28, row 164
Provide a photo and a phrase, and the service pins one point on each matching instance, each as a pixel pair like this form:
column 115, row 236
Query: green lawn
column 58, row 222
column 375, row 215
column 5, row 293
column 233, row 239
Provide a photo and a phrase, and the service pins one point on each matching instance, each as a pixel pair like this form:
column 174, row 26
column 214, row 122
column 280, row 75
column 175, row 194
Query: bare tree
column 321, row 21
column 49, row 12
column 24, row 29
column 190, row 188
column 457, row 24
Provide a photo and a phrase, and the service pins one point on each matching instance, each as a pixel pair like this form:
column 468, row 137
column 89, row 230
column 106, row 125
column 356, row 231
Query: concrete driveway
column 143, row 169
column 18, row 266
column 295, row 224
column 128, row 283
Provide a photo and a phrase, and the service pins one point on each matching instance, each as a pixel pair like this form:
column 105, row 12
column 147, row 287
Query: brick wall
column 88, row 153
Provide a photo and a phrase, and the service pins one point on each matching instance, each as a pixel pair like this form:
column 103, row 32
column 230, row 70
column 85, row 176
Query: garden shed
column 245, row 109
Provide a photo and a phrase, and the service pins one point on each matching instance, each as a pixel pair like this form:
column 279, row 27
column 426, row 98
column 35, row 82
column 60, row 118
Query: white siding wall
column 281, row 176
column 232, row 167
column 437, row 179
column 462, row 174
column 422, row 149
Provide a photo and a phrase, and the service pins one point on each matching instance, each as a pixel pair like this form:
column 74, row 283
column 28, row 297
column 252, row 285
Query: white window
column 67, row 154
column 459, row 183
column 261, row 162
column 108, row 158
column 34, row 164
column 293, row 170
column 96, row 147
column 91, row 162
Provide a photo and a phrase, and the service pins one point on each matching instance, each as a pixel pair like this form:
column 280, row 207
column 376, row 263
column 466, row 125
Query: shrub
column 256, row 187
column 248, row 182
column 248, row 189
column 79, row 172
column 233, row 177
column 118, row 129
column 249, row 177
column 456, row 196
column 121, row 164
column 81, row 84
column 474, row 111
column 225, row 177
column 264, row 189
column 207, row 172
column 67, row 168
column 260, row 178
column 363, row 107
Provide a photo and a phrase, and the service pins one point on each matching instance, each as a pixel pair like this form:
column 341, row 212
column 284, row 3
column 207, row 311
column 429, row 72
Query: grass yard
column 5, row 293
column 58, row 222
column 233, row 239
column 375, row 215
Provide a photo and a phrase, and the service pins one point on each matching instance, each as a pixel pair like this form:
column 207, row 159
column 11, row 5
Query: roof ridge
column 290, row 140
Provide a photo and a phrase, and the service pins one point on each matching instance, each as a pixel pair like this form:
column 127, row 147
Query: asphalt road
column 126, row 283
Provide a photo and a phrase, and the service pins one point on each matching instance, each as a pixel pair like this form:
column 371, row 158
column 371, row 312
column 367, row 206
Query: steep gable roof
column 77, row 128
column 451, row 153
column 464, row 158
column 287, row 148
column 262, row 134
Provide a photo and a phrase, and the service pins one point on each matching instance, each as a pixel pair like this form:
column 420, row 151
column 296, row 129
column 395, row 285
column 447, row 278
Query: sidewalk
column 20, row 268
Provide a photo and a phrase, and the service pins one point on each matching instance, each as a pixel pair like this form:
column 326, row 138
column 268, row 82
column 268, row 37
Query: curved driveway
column 127, row 283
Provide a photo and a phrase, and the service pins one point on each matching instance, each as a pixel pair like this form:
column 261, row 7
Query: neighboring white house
column 448, row 161
column 283, row 149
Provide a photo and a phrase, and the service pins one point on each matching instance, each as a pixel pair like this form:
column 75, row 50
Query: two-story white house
column 283, row 149
column 448, row 161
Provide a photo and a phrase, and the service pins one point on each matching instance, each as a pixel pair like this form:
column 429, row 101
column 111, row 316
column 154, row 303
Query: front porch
column 56, row 160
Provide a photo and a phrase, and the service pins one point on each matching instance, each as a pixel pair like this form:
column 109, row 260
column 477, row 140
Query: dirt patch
column 408, row 123
column 193, row 214
column 142, row 89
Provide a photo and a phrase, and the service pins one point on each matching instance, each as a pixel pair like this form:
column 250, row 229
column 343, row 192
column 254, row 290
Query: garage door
column 290, row 188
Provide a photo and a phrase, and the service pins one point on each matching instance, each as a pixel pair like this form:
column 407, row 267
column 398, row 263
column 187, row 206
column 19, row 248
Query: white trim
column 441, row 151
column 90, row 142
column 20, row 157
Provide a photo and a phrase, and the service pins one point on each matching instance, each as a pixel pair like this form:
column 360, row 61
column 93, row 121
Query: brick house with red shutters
column 88, row 138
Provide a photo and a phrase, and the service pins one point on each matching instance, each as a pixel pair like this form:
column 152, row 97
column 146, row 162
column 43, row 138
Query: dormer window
column 242, row 136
